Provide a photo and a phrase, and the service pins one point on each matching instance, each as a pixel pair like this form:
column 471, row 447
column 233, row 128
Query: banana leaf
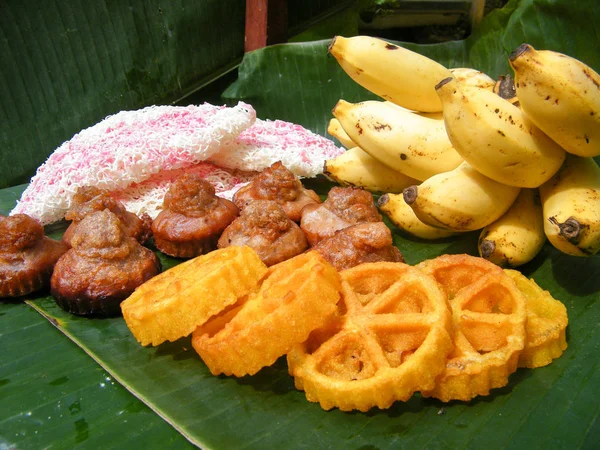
column 549, row 407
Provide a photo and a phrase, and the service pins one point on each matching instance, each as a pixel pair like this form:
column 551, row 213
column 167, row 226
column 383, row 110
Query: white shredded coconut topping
column 147, row 197
column 129, row 147
column 137, row 155
column 300, row 150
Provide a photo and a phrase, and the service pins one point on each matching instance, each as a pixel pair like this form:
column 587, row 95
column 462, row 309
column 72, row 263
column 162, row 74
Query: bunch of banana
column 561, row 95
column 510, row 158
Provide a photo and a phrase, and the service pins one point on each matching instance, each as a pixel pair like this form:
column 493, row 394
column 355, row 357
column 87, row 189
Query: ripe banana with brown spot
column 404, row 218
column 518, row 236
column 561, row 95
column 496, row 137
column 571, row 205
column 473, row 77
column 394, row 73
column 462, row 199
column 410, row 143
column 356, row 167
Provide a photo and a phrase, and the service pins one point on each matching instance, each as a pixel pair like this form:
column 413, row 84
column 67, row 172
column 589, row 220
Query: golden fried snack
column 390, row 338
column 546, row 325
column 172, row 304
column 488, row 314
column 297, row 296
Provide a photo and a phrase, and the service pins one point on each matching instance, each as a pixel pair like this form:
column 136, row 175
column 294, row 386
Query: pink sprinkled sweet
column 129, row 147
column 266, row 142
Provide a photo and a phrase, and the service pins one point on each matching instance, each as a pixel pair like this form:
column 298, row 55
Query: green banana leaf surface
column 550, row 407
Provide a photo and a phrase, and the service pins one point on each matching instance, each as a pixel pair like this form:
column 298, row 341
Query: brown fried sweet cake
column 343, row 207
column 281, row 185
column 264, row 226
column 88, row 199
column 102, row 268
column 360, row 243
column 27, row 256
column 192, row 219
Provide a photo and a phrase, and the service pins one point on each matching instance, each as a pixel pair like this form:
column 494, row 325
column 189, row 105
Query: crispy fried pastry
column 390, row 338
column 296, row 297
column 172, row 304
column 102, row 268
column 281, row 185
column 357, row 244
column 343, row 207
column 192, row 219
column 546, row 325
column 488, row 313
column 27, row 256
column 88, row 199
column 264, row 226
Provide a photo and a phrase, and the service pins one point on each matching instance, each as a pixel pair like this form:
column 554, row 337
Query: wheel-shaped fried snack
column 488, row 314
column 546, row 325
column 172, row 304
column 297, row 296
column 390, row 338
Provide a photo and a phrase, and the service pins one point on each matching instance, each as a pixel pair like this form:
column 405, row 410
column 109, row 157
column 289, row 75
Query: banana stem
column 570, row 229
column 410, row 194
column 487, row 248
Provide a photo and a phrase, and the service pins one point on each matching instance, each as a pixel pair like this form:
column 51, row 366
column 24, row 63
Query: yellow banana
column 355, row 167
column 414, row 145
column 561, row 95
column 392, row 72
column 571, row 204
column 473, row 77
column 402, row 216
column 335, row 129
column 496, row 137
column 460, row 200
column 518, row 236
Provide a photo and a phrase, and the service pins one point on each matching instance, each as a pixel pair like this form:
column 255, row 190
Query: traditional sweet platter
column 214, row 401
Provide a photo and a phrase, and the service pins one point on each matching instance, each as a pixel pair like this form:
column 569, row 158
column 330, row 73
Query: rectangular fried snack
column 172, row 304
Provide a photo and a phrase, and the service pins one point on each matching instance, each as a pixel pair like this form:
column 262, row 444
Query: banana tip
column 382, row 201
column 443, row 82
column 523, row 48
column 331, row 44
column 486, row 248
column 410, row 194
column 570, row 229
